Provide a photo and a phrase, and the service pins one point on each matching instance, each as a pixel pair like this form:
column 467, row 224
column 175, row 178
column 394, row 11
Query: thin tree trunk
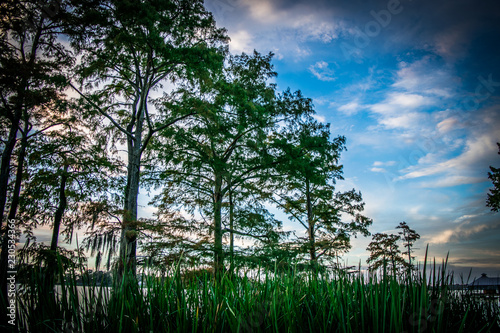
column 409, row 259
column 310, row 223
column 13, row 208
column 19, row 109
column 5, row 167
column 218, row 251
column 58, row 216
column 231, row 233
column 52, row 268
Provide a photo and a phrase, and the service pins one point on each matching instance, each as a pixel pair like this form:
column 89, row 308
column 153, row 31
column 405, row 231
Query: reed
column 276, row 302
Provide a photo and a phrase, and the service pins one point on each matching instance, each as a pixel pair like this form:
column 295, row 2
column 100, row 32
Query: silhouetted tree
column 33, row 63
column 493, row 200
column 408, row 237
column 385, row 253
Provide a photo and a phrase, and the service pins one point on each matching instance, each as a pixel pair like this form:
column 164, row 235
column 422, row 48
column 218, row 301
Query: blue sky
column 415, row 88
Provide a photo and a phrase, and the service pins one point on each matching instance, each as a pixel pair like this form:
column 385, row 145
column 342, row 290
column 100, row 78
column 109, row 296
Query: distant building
column 486, row 284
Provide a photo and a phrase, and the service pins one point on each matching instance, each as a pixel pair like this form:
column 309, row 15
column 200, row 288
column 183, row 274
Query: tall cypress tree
column 131, row 49
column 305, row 190
column 223, row 148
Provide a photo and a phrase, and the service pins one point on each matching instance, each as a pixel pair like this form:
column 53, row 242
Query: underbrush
column 276, row 302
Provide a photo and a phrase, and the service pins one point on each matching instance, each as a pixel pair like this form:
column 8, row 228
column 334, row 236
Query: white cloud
column 398, row 102
column 441, row 238
column 388, row 163
column 466, row 217
column 319, row 118
column 403, row 121
column 280, row 26
column 450, row 181
column 401, row 110
column 309, row 28
column 378, row 164
column 241, row 41
column 303, row 21
column 448, row 125
column 322, row 71
column 462, row 169
column 424, row 77
column 301, row 52
column 263, row 11
column 350, row 108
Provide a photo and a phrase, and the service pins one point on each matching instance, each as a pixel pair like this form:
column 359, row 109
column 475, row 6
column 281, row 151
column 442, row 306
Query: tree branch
column 124, row 131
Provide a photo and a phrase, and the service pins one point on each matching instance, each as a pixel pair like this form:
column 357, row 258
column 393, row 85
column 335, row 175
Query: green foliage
column 33, row 75
column 211, row 161
column 305, row 186
column 221, row 144
column 385, row 252
column 70, row 153
column 131, row 49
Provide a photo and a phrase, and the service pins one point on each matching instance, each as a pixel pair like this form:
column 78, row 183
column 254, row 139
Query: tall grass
column 277, row 302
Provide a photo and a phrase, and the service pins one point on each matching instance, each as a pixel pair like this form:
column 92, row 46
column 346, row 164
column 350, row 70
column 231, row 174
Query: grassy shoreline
column 279, row 302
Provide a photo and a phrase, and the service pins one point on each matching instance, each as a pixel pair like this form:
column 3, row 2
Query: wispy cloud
column 449, row 124
column 458, row 170
column 460, row 232
column 388, row 163
column 377, row 166
column 350, row 108
column 322, row 71
column 279, row 26
column 401, row 110
column 425, row 76
column 303, row 21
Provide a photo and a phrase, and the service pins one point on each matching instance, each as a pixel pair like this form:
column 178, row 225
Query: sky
column 414, row 86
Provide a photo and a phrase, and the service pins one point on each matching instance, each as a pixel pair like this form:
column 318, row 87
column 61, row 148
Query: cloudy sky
column 415, row 87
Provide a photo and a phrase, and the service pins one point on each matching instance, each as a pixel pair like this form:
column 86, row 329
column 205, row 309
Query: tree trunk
column 231, row 234
column 58, row 216
column 13, row 208
column 5, row 167
column 310, row 224
column 218, row 251
column 18, row 111
column 52, row 269
column 128, row 238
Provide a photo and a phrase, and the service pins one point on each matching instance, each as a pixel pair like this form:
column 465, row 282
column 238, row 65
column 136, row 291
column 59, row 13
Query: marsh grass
column 276, row 302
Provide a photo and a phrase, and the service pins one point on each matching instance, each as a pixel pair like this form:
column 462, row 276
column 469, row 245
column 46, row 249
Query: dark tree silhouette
column 493, row 200
column 385, row 253
column 409, row 237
